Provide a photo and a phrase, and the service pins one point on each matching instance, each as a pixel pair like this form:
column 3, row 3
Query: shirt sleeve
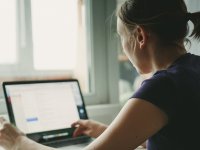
column 160, row 91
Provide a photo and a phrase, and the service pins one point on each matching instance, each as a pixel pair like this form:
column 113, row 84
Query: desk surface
column 80, row 148
column 74, row 147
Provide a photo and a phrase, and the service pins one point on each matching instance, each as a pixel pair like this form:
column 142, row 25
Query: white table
column 76, row 147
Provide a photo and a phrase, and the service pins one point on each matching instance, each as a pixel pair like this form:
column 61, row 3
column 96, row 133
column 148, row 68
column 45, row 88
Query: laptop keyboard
column 67, row 142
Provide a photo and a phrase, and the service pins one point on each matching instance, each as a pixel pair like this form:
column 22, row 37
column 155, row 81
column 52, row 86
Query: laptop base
column 66, row 142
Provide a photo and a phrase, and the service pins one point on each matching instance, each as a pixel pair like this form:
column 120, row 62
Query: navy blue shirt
column 176, row 91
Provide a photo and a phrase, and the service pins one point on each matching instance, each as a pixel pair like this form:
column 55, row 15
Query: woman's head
column 166, row 19
column 134, row 45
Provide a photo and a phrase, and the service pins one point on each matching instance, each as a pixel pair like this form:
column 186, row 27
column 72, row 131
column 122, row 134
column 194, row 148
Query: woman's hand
column 88, row 127
column 9, row 135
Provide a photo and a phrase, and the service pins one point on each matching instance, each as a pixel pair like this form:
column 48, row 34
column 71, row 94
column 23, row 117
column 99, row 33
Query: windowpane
column 59, row 38
column 55, row 34
column 129, row 80
column 8, row 32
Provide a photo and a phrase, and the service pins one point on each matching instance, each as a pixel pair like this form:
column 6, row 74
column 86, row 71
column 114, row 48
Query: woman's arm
column 13, row 139
column 136, row 122
column 23, row 143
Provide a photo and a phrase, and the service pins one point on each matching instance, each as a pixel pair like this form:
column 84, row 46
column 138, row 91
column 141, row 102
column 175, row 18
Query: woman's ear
column 142, row 36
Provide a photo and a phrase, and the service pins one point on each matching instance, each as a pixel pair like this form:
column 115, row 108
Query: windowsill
column 104, row 113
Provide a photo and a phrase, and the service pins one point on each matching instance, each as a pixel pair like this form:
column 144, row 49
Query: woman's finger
column 2, row 119
column 2, row 122
column 78, row 131
column 75, row 124
column 79, row 123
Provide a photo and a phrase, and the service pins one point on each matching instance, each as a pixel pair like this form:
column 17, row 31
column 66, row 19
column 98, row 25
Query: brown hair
column 168, row 19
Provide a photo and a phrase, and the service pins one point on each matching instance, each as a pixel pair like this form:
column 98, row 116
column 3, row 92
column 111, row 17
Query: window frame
column 103, row 46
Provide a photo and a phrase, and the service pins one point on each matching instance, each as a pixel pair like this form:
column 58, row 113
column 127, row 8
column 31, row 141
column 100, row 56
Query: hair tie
column 188, row 16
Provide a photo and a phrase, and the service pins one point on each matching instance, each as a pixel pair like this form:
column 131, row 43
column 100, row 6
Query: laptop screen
column 43, row 106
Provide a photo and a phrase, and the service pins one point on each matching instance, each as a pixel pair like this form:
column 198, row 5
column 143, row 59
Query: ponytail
column 195, row 18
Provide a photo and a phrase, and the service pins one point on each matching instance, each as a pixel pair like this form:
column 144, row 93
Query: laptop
column 44, row 110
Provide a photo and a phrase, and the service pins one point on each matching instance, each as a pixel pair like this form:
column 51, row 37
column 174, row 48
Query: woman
column 166, row 108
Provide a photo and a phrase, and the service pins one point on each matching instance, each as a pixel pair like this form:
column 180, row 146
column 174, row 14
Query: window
column 44, row 39
column 59, row 38
column 55, row 34
column 8, row 32
column 56, row 39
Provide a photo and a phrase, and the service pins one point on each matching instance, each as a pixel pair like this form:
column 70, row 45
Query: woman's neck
column 164, row 56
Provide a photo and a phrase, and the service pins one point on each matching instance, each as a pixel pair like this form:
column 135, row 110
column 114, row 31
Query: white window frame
column 102, row 27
